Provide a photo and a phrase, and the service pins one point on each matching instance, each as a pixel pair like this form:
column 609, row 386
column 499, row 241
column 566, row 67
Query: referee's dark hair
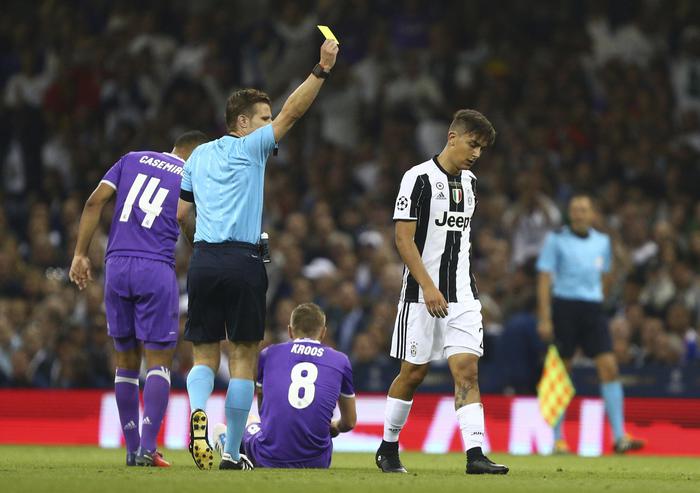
column 308, row 320
column 190, row 140
column 241, row 103
column 471, row 121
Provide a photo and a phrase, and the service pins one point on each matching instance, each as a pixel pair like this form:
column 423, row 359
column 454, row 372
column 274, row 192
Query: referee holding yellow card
column 227, row 281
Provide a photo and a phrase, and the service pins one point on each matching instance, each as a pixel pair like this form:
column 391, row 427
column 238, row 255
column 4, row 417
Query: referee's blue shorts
column 226, row 287
column 580, row 324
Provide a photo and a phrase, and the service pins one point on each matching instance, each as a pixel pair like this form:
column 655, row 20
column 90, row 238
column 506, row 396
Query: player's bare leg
column 407, row 381
column 398, row 406
column 156, row 393
column 200, row 384
column 613, row 396
column 470, row 413
column 126, row 391
column 243, row 363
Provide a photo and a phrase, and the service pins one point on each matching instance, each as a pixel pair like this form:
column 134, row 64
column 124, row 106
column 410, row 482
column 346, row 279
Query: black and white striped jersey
column 442, row 205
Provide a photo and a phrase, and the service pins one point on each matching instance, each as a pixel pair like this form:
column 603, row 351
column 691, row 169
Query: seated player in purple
column 301, row 381
column 141, row 289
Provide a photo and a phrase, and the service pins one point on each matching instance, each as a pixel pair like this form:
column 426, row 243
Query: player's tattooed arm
column 186, row 218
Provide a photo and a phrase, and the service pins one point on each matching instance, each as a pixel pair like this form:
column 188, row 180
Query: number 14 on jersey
column 149, row 204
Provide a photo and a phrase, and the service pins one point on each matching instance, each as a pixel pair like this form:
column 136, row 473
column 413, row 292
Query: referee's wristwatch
column 319, row 72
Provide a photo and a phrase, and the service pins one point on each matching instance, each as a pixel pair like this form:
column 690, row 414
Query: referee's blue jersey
column 576, row 264
column 226, row 177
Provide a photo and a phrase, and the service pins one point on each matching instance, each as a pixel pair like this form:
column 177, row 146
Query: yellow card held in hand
column 326, row 31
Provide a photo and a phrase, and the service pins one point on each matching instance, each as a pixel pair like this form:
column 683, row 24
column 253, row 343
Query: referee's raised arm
column 226, row 281
column 302, row 97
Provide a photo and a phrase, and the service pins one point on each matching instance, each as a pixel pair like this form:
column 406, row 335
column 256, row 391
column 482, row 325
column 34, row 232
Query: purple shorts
column 142, row 303
column 253, row 448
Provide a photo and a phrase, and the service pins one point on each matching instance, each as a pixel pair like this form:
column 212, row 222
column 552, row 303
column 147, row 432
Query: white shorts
column 420, row 338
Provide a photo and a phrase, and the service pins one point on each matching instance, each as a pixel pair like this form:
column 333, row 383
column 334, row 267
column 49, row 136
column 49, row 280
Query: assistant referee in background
column 574, row 275
column 227, row 282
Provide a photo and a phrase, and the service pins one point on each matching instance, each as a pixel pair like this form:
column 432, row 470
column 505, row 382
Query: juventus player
column 439, row 311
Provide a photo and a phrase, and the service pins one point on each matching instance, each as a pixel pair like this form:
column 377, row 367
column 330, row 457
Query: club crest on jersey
column 457, row 195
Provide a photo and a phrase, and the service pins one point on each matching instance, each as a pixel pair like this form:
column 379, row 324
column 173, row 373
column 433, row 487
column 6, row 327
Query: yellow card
column 328, row 33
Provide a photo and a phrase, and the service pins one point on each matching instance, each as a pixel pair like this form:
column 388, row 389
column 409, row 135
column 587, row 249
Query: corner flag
column 554, row 390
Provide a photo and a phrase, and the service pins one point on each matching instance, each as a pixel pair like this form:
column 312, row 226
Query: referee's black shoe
column 387, row 458
column 478, row 463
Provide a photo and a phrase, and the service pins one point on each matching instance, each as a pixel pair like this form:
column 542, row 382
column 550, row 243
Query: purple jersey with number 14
column 301, row 382
column 141, row 291
column 145, row 216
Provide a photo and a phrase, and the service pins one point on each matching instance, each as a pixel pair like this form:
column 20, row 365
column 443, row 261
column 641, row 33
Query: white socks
column 471, row 423
column 395, row 416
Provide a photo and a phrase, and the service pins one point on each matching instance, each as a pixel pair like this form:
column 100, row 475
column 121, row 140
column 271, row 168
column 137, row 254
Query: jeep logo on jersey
column 457, row 195
column 453, row 221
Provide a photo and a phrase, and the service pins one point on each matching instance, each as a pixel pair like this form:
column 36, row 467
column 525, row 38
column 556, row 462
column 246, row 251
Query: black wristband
column 319, row 72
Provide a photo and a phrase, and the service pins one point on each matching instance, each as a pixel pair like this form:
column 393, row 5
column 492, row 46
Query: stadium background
column 585, row 95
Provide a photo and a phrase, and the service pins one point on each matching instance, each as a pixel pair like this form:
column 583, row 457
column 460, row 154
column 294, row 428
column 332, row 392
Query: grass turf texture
column 88, row 469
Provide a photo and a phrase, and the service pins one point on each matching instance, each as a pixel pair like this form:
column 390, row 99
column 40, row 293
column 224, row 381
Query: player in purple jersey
column 301, row 381
column 141, row 291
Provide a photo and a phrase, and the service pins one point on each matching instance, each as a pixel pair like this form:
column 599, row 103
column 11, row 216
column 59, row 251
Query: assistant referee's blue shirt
column 227, row 178
column 576, row 264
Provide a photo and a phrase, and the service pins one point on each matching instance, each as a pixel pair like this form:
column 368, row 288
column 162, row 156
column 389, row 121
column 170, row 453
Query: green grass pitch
column 88, row 469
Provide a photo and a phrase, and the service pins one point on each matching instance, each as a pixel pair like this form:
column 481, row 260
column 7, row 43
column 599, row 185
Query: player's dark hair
column 241, row 103
column 191, row 139
column 308, row 320
column 473, row 122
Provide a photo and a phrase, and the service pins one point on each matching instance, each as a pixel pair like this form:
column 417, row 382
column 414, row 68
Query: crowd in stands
column 593, row 96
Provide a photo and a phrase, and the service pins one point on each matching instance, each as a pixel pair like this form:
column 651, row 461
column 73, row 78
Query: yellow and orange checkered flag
column 555, row 390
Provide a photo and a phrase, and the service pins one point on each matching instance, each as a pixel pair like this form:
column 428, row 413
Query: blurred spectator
column 530, row 219
column 685, row 71
column 345, row 315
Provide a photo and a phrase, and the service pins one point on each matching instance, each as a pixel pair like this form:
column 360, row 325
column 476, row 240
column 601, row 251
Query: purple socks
column 126, row 391
column 156, row 392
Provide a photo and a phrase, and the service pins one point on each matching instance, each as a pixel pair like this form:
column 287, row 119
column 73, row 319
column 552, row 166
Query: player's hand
column 335, row 431
column 545, row 329
column 435, row 302
column 80, row 271
column 329, row 51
